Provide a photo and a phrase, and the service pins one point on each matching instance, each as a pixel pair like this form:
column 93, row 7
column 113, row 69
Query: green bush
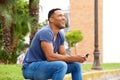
column 7, row 58
column 3, row 56
column 73, row 37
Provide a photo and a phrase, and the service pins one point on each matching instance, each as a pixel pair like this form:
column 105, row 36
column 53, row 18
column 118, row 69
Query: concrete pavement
column 99, row 75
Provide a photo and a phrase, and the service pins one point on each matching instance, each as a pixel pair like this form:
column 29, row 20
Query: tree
column 21, row 18
column 14, row 23
column 6, row 21
column 14, row 20
column 0, row 36
column 73, row 37
column 34, row 13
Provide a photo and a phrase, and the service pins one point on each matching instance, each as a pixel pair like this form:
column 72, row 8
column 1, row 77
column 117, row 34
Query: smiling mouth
column 63, row 22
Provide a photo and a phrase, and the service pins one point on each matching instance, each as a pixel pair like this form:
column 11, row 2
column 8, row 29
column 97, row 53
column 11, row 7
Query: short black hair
column 52, row 11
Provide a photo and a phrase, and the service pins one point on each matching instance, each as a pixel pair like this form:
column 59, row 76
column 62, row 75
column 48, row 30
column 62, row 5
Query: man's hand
column 80, row 58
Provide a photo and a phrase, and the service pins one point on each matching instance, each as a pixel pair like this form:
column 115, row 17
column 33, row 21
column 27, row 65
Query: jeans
column 54, row 70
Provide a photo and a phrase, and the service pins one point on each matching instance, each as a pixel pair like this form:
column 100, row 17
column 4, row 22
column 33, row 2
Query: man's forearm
column 66, row 58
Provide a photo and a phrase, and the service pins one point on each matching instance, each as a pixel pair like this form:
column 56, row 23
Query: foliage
column 15, row 12
column 35, row 4
column 4, row 57
column 0, row 36
column 21, row 45
column 73, row 37
column 21, row 19
column 12, row 58
column 34, row 14
column 7, row 16
column 7, row 58
column 42, row 24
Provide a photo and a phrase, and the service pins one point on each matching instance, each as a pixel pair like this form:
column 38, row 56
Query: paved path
column 116, row 78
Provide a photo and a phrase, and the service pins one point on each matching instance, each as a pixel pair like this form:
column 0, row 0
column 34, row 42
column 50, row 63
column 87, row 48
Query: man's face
column 59, row 19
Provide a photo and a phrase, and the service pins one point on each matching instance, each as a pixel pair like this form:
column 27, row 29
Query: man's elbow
column 50, row 59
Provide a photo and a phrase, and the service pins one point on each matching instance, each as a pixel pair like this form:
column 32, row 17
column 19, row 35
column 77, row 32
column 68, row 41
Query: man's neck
column 54, row 29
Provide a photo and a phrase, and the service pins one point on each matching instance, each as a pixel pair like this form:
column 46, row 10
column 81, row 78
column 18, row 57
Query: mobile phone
column 87, row 55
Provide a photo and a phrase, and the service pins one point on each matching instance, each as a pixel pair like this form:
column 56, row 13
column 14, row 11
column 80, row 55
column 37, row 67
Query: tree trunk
column 7, row 29
column 3, row 1
column 34, row 12
column 6, row 35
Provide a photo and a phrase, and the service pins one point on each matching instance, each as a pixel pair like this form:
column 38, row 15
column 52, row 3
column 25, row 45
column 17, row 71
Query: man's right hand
column 80, row 58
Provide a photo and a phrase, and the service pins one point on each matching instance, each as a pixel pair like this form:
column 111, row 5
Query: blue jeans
column 54, row 70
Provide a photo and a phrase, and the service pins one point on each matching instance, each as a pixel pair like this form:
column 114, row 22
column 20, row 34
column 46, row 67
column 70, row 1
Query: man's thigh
column 45, row 69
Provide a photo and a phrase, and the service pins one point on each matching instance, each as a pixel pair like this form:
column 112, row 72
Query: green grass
column 106, row 66
column 10, row 72
column 13, row 72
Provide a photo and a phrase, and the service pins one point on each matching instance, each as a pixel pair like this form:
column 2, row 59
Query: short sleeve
column 45, row 35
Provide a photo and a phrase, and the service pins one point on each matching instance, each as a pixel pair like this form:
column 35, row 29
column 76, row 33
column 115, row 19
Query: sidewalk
column 99, row 75
column 116, row 78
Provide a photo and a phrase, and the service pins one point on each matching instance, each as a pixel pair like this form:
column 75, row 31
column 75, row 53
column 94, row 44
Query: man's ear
column 51, row 19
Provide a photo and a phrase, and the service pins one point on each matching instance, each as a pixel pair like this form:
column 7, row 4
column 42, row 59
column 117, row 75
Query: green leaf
column 73, row 37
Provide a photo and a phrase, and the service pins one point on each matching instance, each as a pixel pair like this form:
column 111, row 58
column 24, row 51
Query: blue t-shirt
column 35, row 52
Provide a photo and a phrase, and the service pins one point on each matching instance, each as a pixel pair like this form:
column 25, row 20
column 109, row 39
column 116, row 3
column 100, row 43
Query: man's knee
column 77, row 65
column 62, row 64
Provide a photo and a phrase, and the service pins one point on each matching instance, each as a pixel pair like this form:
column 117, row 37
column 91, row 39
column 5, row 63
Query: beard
column 60, row 25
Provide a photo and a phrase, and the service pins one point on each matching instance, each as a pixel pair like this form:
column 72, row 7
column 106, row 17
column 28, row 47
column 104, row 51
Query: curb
column 99, row 75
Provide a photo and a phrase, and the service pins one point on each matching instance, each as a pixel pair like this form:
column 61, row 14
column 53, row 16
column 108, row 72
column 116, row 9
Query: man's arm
column 62, row 50
column 47, row 48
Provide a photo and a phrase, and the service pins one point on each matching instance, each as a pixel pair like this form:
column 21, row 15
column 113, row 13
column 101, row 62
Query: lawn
column 105, row 66
column 10, row 72
column 13, row 71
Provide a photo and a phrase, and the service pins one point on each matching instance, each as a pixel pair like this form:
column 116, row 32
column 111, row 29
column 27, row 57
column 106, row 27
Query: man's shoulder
column 45, row 29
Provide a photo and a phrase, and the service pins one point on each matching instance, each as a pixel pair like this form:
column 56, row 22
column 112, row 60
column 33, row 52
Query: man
column 46, row 57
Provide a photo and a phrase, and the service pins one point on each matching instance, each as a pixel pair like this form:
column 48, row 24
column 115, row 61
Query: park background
column 110, row 42
column 109, row 33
